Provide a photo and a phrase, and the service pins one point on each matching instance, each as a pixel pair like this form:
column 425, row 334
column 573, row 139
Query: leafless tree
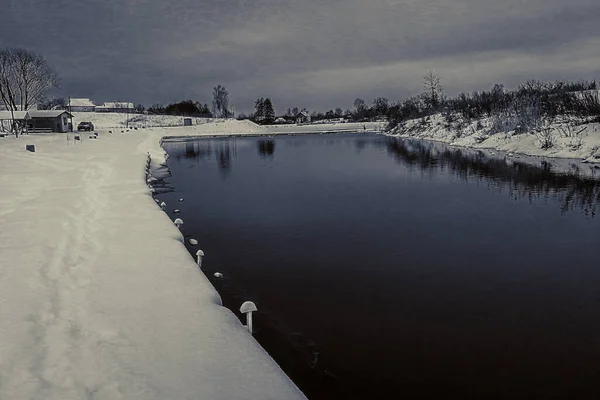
column 220, row 102
column 432, row 89
column 25, row 77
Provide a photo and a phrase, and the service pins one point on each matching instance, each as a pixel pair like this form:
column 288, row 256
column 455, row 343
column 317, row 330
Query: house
column 116, row 106
column 303, row 117
column 49, row 121
column 6, row 119
column 81, row 105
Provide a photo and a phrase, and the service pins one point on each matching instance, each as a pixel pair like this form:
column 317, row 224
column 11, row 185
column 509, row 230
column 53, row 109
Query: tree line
column 25, row 77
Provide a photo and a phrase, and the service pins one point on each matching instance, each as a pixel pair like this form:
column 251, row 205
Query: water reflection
column 224, row 152
column 266, row 148
column 522, row 180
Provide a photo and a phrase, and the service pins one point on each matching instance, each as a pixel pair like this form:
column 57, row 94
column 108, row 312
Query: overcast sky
column 317, row 54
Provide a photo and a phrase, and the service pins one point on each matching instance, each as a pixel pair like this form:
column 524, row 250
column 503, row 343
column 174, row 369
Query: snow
column 581, row 148
column 98, row 296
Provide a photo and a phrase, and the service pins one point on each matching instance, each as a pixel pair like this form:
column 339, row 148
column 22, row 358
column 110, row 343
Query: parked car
column 85, row 126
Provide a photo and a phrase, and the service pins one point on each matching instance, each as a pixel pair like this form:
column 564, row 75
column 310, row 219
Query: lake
column 385, row 265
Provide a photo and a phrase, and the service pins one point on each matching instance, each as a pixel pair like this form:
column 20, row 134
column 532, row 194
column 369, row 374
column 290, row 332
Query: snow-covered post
column 178, row 222
column 199, row 255
column 163, row 205
column 248, row 308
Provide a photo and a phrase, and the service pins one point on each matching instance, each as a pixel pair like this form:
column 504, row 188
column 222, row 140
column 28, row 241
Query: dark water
column 386, row 266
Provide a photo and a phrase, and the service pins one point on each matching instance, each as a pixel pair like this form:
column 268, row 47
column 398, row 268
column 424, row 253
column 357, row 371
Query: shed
column 50, row 121
column 303, row 117
column 187, row 122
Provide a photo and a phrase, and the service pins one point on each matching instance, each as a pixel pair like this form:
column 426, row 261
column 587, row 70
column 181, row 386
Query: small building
column 7, row 117
column 81, row 105
column 116, row 107
column 303, row 117
column 49, row 121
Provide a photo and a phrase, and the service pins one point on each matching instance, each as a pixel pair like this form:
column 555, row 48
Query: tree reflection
column 224, row 158
column 266, row 148
column 522, row 180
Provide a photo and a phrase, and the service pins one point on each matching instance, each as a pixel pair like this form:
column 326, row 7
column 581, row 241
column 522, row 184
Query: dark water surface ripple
column 383, row 265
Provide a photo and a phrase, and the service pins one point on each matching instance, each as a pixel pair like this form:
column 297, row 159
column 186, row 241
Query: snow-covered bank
column 99, row 297
column 118, row 121
column 560, row 140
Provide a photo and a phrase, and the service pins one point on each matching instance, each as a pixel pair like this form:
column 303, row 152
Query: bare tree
column 432, row 89
column 24, row 79
column 220, row 102
column 359, row 105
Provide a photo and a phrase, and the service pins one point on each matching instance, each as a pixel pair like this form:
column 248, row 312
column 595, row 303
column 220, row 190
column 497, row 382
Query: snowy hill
column 566, row 138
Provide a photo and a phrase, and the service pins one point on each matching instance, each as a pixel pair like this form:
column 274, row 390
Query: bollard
column 199, row 255
column 248, row 308
column 178, row 222
column 163, row 205
column 218, row 275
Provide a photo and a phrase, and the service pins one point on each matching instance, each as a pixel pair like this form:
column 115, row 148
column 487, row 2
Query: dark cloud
column 306, row 53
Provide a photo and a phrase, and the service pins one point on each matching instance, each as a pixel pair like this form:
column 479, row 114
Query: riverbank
column 561, row 140
column 100, row 298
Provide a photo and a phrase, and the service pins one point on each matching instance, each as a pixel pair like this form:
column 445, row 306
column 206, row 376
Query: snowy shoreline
column 100, row 296
column 563, row 157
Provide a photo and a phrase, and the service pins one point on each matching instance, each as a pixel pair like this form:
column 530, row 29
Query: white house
column 81, row 105
column 116, row 106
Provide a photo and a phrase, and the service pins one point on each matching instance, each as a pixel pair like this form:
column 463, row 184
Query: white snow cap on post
column 178, row 222
column 199, row 255
column 218, row 275
column 163, row 205
column 248, row 308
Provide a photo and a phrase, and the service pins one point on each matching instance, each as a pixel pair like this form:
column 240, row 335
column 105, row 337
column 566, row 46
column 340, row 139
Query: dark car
column 85, row 126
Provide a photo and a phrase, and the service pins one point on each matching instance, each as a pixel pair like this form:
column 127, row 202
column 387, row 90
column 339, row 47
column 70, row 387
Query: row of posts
column 248, row 307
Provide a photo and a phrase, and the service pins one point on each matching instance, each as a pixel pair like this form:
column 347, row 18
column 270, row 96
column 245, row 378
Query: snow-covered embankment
column 565, row 139
column 99, row 297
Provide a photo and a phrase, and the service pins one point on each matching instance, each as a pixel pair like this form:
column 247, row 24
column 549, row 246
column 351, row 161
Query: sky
column 318, row 54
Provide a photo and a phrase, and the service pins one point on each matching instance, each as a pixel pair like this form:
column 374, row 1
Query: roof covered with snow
column 4, row 115
column 82, row 102
column 47, row 113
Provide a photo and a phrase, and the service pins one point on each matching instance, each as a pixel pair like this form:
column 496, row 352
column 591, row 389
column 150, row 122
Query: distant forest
column 523, row 109
column 25, row 78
